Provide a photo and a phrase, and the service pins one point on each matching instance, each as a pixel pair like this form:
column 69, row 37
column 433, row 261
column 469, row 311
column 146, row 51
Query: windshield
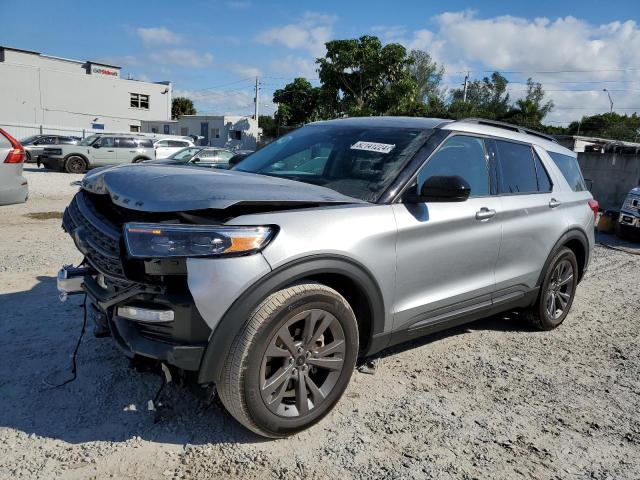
column 89, row 140
column 29, row 140
column 360, row 162
column 185, row 154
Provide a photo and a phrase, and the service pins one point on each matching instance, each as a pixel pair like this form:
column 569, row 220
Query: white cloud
column 295, row 67
column 463, row 41
column 182, row 57
column 158, row 35
column 245, row 70
column 310, row 33
column 225, row 102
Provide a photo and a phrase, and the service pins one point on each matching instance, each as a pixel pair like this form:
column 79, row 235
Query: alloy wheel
column 302, row 363
column 559, row 290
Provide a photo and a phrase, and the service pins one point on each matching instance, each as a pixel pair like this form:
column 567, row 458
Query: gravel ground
column 490, row 400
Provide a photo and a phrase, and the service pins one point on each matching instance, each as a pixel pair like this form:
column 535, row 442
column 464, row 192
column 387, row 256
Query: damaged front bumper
column 143, row 319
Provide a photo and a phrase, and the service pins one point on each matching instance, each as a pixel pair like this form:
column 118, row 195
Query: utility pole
column 610, row 101
column 256, row 99
column 464, row 91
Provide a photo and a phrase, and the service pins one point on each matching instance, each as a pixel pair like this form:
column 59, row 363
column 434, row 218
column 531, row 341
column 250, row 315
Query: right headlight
column 151, row 240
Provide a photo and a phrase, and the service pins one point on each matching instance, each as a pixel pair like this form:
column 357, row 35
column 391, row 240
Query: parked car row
column 35, row 144
column 116, row 149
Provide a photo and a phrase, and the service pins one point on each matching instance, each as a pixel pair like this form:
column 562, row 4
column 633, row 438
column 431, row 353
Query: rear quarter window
column 570, row 169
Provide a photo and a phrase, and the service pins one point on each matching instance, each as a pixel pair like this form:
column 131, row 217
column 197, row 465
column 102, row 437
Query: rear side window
column 569, row 167
column 177, row 143
column 517, row 169
column 544, row 183
column 147, row 143
column 124, row 142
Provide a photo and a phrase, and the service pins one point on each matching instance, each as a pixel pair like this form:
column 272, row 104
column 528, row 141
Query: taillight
column 16, row 154
column 595, row 207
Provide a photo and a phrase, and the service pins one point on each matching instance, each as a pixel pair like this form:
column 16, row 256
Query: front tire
column 291, row 362
column 75, row 164
column 556, row 293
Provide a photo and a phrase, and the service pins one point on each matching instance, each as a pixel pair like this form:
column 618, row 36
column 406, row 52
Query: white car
column 168, row 146
column 13, row 186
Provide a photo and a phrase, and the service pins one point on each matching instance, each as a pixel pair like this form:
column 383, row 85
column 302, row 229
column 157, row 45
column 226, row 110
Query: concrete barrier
column 613, row 175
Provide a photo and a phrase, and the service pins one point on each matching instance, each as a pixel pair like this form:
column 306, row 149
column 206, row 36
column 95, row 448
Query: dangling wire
column 74, row 365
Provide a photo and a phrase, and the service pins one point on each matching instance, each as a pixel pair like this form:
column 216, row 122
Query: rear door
column 127, row 149
column 447, row 251
column 531, row 221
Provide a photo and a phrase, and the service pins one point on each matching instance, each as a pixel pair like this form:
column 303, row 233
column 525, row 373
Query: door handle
column 110, row 151
column 485, row 214
column 553, row 203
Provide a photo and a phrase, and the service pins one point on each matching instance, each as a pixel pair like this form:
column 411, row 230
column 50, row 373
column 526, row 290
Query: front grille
column 97, row 239
column 156, row 331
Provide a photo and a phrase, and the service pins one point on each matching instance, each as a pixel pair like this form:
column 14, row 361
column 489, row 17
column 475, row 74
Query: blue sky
column 211, row 49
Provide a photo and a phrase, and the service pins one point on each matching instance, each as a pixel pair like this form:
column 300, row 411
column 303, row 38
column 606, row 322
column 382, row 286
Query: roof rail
column 508, row 126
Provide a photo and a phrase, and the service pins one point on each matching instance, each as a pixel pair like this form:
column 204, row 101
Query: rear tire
column 291, row 362
column 556, row 292
column 75, row 164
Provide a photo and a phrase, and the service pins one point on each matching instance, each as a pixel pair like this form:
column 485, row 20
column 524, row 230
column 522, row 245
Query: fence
column 21, row 131
column 612, row 174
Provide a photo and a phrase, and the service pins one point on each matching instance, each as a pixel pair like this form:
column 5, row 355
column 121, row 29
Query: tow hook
column 70, row 281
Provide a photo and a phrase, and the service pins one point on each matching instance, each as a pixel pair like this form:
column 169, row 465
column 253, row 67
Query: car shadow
column 108, row 401
column 503, row 322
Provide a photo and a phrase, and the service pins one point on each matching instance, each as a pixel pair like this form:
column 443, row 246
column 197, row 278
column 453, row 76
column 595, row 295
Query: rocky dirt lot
column 490, row 400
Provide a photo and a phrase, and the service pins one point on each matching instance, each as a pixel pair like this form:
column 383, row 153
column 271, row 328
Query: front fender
column 238, row 314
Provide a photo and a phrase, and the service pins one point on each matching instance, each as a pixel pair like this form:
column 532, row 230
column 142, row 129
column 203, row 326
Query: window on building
column 134, row 128
column 184, row 131
column 235, row 134
column 154, row 129
column 139, row 100
column 215, row 133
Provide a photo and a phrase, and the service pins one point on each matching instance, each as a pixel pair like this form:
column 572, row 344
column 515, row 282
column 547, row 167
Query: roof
column 401, row 122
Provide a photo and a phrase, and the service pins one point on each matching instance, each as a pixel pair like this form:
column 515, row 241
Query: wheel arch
column 83, row 157
column 576, row 240
column 349, row 278
column 140, row 158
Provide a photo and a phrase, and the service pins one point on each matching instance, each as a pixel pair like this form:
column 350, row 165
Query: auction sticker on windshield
column 373, row 147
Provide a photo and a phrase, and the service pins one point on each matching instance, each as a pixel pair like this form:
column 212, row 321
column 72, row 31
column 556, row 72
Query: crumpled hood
column 170, row 188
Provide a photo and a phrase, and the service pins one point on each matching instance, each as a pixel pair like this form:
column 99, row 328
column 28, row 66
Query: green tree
column 530, row 110
column 182, row 106
column 361, row 77
column 297, row 103
column 268, row 125
column 427, row 75
column 487, row 98
column 608, row 125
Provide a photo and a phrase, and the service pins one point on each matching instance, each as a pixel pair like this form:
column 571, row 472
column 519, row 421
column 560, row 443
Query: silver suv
column 328, row 245
column 97, row 151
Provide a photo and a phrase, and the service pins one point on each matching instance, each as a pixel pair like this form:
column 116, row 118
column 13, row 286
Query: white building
column 44, row 94
column 227, row 131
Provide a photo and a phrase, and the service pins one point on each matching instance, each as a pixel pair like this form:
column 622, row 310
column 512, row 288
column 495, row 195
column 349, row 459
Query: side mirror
column 96, row 145
column 441, row 188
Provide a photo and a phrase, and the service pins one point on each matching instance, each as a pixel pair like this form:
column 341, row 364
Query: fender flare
column 237, row 315
column 571, row 234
